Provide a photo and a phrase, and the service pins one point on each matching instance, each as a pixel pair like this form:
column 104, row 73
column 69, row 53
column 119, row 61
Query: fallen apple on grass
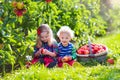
column 110, row 61
column 65, row 59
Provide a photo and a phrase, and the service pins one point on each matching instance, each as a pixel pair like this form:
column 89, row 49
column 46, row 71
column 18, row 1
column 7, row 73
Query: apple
column 79, row 51
column 96, row 49
column 19, row 13
column 110, row 61
column 86, row 52
column 20, row 5
column 48, row 1
column 65, row 59
column 42, row 50
column 14, row 3
column 82, row 51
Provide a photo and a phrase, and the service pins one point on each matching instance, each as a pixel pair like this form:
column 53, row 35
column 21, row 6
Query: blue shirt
column 66, row 50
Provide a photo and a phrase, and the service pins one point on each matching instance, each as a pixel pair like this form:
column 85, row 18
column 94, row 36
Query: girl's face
column 45, row 37
column 64, row 38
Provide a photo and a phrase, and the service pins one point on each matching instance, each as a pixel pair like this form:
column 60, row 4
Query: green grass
column 98, row 72
column 112, row 41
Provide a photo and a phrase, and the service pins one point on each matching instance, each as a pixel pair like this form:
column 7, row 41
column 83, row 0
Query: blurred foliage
column 17, row 33
column 114, row 18
column 110, row 11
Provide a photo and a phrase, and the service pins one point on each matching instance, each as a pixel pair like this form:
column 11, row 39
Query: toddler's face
column 45, row 36
column 64, row 38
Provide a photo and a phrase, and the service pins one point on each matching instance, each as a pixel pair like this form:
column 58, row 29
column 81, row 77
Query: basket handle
column 89, row 44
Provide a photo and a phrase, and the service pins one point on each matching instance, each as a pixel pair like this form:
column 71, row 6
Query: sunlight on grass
column 115, row 3
column 112, row 41
column 67, row 73
column 97, row 72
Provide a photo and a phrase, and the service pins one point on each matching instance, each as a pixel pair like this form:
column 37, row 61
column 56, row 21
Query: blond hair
column 45, row 28
column 66, row 29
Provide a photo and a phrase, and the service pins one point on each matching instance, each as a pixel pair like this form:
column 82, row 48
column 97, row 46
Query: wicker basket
column 99, row 57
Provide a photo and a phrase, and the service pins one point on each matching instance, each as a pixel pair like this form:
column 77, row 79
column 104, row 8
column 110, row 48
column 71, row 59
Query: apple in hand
column 110, row 61
column 65, row 59
column 42, row 50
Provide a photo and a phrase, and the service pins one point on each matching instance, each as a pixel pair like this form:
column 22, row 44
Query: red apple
column 20, row 5
column 86, row 52
column 64, row 59
column 110, row 61
column 79, row 51
column 14, row 3
column 42, row 50
column 48, row 1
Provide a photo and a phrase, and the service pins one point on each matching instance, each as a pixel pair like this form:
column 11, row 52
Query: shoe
column 28, row 64
column 66, row 65
column 51, row 65
column 77, row 64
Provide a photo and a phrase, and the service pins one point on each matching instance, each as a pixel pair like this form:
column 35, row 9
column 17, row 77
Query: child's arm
column 38, row 52
column 55, row 50
column 71, row 57
column 52, row 54
column 73, row 53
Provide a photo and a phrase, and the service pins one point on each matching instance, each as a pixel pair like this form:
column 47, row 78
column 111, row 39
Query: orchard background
column 19, row 20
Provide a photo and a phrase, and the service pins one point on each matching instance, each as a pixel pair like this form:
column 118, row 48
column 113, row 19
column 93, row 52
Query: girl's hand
column 42, row 51
column 47, row 52
column 38, row 53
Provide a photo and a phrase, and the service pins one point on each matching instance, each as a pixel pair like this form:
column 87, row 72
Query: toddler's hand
column 69, row 58
column 66, row 58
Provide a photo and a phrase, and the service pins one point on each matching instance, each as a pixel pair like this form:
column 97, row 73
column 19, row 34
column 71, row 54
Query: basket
column 99, row 57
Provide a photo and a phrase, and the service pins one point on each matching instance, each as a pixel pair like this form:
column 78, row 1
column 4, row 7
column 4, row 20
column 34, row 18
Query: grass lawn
column 79, row 72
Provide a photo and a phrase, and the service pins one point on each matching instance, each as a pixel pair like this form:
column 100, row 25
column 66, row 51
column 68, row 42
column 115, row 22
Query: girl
column 46, row 47
column 66, row 50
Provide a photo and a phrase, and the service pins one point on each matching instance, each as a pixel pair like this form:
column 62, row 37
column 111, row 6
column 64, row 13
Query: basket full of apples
column 92, row 51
